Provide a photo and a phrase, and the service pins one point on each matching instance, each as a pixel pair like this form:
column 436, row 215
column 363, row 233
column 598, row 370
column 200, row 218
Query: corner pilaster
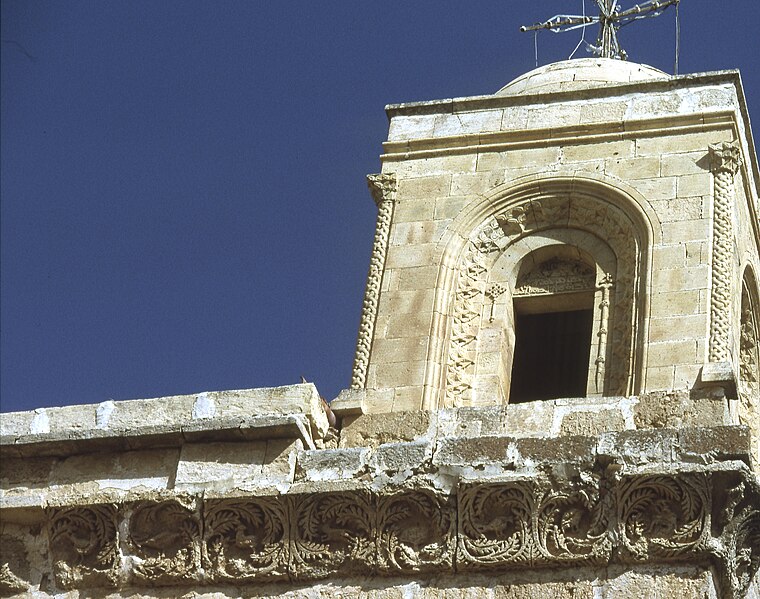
column 383, row 189
column 725, row 159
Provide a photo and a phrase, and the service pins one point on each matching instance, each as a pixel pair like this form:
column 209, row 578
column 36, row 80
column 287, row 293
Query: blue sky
column 183, row 197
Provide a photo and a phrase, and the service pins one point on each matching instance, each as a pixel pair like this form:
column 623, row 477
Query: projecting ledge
column 292, row 412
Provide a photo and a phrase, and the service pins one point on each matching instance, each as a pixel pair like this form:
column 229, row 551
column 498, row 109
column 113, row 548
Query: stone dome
column 578, row 74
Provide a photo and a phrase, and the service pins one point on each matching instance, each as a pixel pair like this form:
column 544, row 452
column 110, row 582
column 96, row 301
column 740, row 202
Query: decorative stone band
column 725, row 159
column 707, row 517
column 383, row 189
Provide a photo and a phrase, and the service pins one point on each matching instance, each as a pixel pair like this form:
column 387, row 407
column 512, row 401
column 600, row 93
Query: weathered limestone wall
column 512, row 501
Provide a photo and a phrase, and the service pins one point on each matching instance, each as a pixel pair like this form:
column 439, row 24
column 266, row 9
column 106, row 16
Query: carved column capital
column 382, row 187
column 725, row 157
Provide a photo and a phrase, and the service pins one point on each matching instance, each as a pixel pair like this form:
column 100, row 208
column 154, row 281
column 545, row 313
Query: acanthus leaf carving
column 663, row 517
column 414, row 532
column 494, row 525
column 165, row 538
column 84, row 546
column 572, row 527
column 334, row 533
column 246, row 539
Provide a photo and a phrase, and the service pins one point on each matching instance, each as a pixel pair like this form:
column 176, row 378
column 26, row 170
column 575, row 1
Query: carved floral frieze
column 483, row 525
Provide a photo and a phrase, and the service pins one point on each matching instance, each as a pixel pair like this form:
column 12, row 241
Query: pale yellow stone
column 679, row 210
column 667, row 278
column 685, row 231
column 422, row 277
column 657, row 188
column 399, row 349
column 679, row 143
column 683, row 163
column 694, row 185
column 675, row 352
column 411, row 256
column 633, row 168
column 608, row 150
column 677, row 328
column 414, row 210
column 675, row 303
column 424, row 188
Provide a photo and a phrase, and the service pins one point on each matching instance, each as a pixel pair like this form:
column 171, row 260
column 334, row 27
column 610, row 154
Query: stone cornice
column 545, row 137
column 453, row 105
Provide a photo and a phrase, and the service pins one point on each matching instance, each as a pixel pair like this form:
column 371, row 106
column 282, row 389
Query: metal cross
column 611, row 18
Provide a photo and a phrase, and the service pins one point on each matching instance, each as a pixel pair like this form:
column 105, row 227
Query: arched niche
column 608, row 227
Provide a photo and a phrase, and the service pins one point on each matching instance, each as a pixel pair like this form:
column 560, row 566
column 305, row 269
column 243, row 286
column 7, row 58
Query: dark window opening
column 551, row 355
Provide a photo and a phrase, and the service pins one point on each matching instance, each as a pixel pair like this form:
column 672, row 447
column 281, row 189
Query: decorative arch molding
column 516, row 212
column 749, row 356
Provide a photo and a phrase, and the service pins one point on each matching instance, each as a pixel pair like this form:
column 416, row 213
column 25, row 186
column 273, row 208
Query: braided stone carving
column 725, row 159
column 383, row 189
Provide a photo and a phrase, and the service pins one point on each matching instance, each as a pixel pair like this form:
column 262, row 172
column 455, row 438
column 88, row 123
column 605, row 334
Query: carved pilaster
column 725, row 159
column 383, row 188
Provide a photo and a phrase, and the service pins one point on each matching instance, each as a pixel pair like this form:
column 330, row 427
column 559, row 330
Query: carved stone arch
column 749, row 358
column 610, row 210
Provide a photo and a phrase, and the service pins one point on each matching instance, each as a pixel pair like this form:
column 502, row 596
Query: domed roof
column 578, row 74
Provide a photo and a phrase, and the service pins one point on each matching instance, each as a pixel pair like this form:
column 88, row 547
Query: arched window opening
column 554, row 322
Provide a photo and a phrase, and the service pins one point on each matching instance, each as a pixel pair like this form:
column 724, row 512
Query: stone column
column 383, row 188
column 725, row 159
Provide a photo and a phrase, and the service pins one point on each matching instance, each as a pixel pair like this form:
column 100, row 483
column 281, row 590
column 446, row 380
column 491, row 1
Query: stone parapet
column 453, row 491
column 293, row 411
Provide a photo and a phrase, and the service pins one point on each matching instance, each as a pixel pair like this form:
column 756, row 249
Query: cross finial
column 611, row 18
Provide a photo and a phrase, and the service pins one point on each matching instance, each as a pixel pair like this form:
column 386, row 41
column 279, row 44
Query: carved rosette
column 663, row 517
column 83, row 546
column 333, row 533
column 725, row 159
column 246, row 539
column 383, row 189
column 414, row 532
column 165, row 538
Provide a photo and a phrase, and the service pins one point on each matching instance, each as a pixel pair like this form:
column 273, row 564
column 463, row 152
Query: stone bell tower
column 555, row 390
column 590, row 230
